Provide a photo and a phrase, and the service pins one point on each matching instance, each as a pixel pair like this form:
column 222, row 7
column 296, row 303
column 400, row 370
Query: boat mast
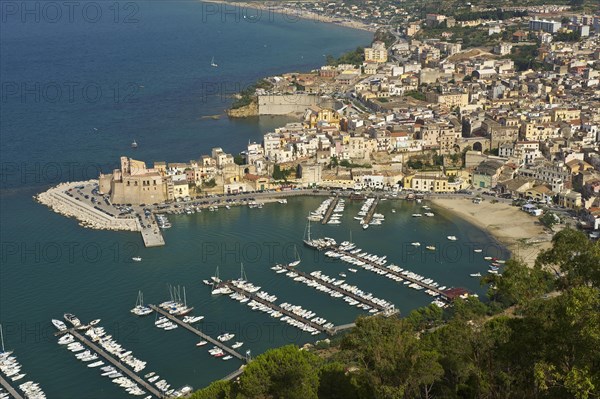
column 184, row 298
column 2, row 338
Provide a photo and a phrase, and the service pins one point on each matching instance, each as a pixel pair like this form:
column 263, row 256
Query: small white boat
column 415, row 244
column 430, row 247
column 96, row 364
column 475, row 274
column 59, row 325
column 416, row 215
column 478, row 250
column 452, row 238
column 237, row 345
column 213, row 64
column 393, row 211
column 227, row 357
column 134, row 144
column 94, row 322
column 201, row 343
column 365, row 226
column 352, row 270
column 136, row 259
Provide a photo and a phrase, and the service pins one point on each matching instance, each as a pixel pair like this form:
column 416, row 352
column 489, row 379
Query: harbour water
column 51, row 266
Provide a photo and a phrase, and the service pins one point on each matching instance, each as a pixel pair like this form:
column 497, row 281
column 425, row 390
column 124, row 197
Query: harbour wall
column 56, row 199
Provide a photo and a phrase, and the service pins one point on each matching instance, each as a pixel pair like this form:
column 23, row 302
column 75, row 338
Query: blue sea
column 78, row 86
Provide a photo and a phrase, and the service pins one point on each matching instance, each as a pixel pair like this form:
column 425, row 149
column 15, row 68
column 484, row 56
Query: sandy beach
column 289, row 14
column 519, row 232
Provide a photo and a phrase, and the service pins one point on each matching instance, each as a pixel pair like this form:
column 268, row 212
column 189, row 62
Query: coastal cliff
column 244, row 111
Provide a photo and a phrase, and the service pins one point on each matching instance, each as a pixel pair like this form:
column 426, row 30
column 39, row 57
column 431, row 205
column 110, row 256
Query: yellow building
column 376, row 53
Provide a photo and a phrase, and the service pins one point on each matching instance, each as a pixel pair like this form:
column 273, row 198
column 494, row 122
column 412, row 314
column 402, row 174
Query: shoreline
column 295, row 14
column 519, row 232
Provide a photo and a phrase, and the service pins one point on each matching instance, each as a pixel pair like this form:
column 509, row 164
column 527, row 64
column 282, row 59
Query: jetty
column 330, row 209
column 9, row 388
column 199, row 333
column 140, row 381
column 278, row 308
column 371, row 211
column 152, row 236
column 364, row 301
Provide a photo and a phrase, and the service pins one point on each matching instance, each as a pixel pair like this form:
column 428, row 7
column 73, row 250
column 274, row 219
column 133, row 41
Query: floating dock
column 10, row 389
column 371, row 211
column 205, row 337
column 140, row 381
column 364, row 301
column 278, row 308
column 329, row 211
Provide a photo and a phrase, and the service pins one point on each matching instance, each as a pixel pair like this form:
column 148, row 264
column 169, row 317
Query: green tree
column 574, row 259
column 336, row 383
column 519, row 284
column 216, row 390
column 285, row 372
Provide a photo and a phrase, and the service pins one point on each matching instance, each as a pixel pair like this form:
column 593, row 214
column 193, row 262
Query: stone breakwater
column 56, row 199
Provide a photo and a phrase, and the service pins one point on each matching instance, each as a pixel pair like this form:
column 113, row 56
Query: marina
column 205, row 337
column 339, row 289
column 284, row 309
column 117, row 364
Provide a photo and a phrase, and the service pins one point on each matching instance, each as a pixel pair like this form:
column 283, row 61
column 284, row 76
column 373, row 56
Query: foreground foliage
column 538, row 337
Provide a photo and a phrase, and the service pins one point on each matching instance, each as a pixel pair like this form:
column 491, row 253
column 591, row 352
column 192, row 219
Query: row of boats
column 347, row 252
column 376, row 219
column 338, row 212
column 98, row 335
column 341, row 289
column 13, row 371
column 318, row 214
column 302, row 318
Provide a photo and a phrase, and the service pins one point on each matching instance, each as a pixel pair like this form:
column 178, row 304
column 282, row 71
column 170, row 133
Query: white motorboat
column 201, row 343
column 59, row 325
column 415, row 244
column 136, row 259
column 237, row 345
column 452, row 238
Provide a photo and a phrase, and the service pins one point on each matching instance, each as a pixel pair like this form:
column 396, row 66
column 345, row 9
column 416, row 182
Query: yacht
column 59, row 325
column 297, row 261
column 72, row 319
column 134, row 144
column 213, row 64
column 225, row 337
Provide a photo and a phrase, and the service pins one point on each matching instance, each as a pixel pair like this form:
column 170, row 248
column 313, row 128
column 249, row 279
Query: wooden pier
column 342, row 291
column 371, row 211
column 205, row 337
column 330, row 210
column 13, row 392
column 278, row 308
column 145, row 384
